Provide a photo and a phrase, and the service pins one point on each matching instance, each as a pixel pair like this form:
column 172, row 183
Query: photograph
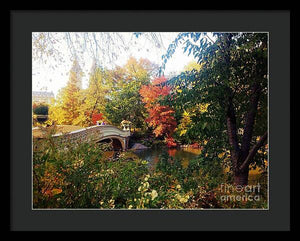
column 150, row 120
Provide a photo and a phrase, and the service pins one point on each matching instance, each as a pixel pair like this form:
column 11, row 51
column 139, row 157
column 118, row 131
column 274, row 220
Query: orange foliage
column 162, row 119
column 172, row 152
column 96, row 117
column 151, row 92
column 171, row 142
column 34, row 105
column 160, row 116
column 195, row 145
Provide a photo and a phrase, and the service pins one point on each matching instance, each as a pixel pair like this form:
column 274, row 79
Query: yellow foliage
column 182, row 132
column 203, row 107
column 193, row 65
column 221, row 154
column 56, row 191
column 184, row 123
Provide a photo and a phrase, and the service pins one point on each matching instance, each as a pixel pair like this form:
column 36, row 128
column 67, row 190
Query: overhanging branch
column 253, row 151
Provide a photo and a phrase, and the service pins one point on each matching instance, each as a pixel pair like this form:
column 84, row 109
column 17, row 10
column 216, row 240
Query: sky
column 47, row 78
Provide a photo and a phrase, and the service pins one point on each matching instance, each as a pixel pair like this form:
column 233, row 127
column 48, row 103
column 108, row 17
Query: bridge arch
column 117, row 142
column 98, row 133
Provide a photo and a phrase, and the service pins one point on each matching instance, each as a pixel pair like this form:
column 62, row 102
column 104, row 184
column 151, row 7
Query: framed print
column 152, row 117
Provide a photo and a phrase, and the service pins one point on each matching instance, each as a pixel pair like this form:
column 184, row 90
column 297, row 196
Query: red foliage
column 96, row 117
column 160, row 116
column 34, row 105
column 172, row 152
column 152, row 92
column 170, row 142
column 162, row 119
column 195, row 145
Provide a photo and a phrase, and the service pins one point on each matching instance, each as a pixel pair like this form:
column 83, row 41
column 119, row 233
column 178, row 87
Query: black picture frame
column 24, row 22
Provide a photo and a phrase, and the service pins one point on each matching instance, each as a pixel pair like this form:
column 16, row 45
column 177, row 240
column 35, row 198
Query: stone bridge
column 97, row 133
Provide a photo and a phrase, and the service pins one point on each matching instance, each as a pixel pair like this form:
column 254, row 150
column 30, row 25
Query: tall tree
column 66, row 109
column 233, row 80
column 126, row 105
column 96, row 95
column 124, row 100
column 161, row 117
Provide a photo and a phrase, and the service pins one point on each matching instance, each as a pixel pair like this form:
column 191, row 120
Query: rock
column 138, row 146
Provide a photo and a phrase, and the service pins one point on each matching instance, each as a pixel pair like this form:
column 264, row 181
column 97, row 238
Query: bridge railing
column 92, row 133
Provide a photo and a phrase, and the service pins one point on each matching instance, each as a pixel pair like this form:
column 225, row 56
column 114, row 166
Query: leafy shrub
column 81, row 176
column 41, row 110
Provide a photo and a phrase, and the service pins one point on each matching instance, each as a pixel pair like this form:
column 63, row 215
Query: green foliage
column 126, row 104
column 124, row 101
column 195, row 174
column 94, row 98
column 72, row 176
column 230, row 65
column 41, row 109
column 82, row 176
column 63, row 176
column 112, row 92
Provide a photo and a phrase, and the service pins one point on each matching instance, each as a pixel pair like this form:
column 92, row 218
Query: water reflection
column 183, row 154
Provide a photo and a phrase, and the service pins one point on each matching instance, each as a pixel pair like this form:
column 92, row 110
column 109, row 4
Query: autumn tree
column 96, row 117
column 95, row 96
column 66, row 109
column 191, row 123
column 124, row 100
column 233, row 80
column 189, row 117
column 126, row 105
column 160, row 116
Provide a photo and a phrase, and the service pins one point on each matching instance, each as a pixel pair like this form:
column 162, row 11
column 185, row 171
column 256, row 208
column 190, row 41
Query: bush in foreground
column 81, row 176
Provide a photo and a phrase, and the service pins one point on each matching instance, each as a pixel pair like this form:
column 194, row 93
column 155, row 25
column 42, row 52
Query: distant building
column 42, row 97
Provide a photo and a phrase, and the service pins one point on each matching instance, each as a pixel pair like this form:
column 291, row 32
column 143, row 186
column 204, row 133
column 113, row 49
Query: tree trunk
column 241, row 177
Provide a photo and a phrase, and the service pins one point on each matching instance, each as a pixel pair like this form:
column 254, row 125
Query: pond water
column 152, row 154
column 183, row 154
